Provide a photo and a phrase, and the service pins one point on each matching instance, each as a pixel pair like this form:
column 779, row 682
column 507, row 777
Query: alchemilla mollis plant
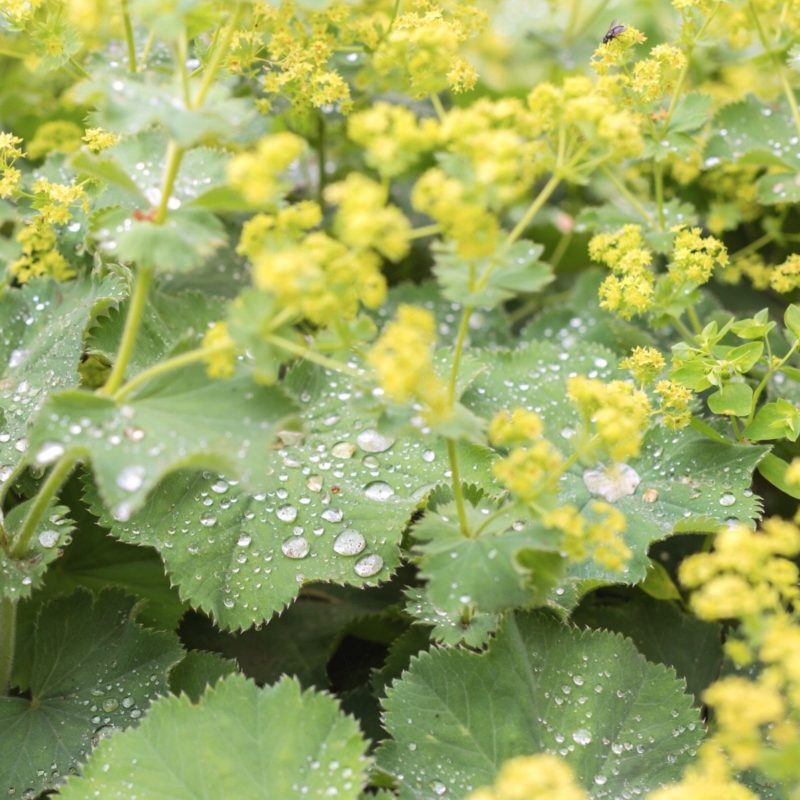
column 400, row 399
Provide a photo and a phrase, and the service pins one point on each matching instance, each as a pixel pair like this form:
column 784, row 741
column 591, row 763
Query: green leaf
column 791, row 319
column 512, row 271
column 661, row 632
column 692, row 112
column 483, row 573
column 774, row 469
column 186, row 239
column 680, row 481
column 624, row 725
column 198, row 670
column 658, row 583
column 238, row 741
column 732, row 400
column 41, row 339
column 128, row 104
column 451, row 627
column 93, row 670
column 776, row 420
column 183, row 419
column 338, row 497
column 19, row 576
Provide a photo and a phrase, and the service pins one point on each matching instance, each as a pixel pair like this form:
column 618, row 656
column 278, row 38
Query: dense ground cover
column 399, row 399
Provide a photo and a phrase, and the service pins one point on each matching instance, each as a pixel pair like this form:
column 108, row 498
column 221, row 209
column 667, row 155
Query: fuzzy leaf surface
column 624, row 725
column 93, row 670
column 237, row 741
column 337, row 498
column 183, row 419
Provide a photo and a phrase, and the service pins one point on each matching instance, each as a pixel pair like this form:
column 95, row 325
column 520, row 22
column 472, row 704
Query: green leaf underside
column 41, row 339
column 181, row 420
column 340, row 478
column 93, row 670
column 19, row 576
column 687, row 483
column 238, row 741
column 624, row 725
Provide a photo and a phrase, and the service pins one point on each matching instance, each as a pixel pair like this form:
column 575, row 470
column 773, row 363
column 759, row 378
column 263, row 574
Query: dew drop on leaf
column 582, row 736
column 368, row 566
column 48, row 538
column 378, row 490
column 295, row 547
column 131, row 478
column 48, row 453
column 287, row 513
column 349, row 543
column 370, row 441
column 612, row 482
column 727, row 499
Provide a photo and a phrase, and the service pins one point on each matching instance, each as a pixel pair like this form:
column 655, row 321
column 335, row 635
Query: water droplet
column 208, row 520
column 438, row 788
column 110, row 704
column 48, row 453
column 727, row 499
column 244, row 540
column 370, row 441
column 349, row 543
column 582, row 736
column 48, row 538
column 428, row 456
column 650, row 495
column 295, row 547
column 314, row 483
column 368, row 566
column 612, row 482
column 131, row 478
column 343, row 450
column 332, row 515
column 378, row 490
column 286, row 513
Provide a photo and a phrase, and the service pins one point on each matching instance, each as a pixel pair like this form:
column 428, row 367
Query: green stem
column 78, row 68
column 763, row 382
column 41, row 503
column 425, row 230
column 694, row 319
column 779, row 66
column 701, row 426
column 163, row 367
column 322, row 158
column 144, row 278
column 683, row 330
column 310, row 355
column 8, row 638
column 174, row 158
column 5, row 487
column 534, row 208
column 221, row 48
column 626, row 193
column 458, row 349
column 126, row 22
column 438, row 107
column 658, row 177
column 458, row 490
column 753, row 247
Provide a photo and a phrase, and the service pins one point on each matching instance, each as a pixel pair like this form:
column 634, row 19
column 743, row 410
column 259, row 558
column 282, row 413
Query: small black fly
column 614, row 31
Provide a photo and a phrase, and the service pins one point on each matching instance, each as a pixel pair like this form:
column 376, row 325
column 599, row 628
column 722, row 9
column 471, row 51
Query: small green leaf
column 733, row 400
column 791, row 319
column 198, row 670
column 692, row 112
column 624, row 725
column 779, row 419
column 448, row 627
column 238, row 741
column 757, row 327
column 774, row 469
column 658, row 583
column 745, row 356
column 93, row 670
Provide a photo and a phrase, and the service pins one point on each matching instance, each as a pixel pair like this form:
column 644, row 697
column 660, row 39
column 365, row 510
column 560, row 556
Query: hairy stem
column 8, row 638
column 311, row 355
column 658, row 178
column 174, row 158
column 458, row 489
column 41, row 503
column 533, row 209
column 126, row 22
column 221, row 48
column 144, row 277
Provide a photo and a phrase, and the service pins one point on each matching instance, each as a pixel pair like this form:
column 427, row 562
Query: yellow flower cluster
column 53, row 200
column 694, row 256
column 421, row 52
column 221, row 357
column 364, row 221
column 473, row 228
column 644, row 363
column 752, row 266
column 618, row 51
column 10, row 176
column 618, row 412
column 39, row 255
column 629, row 289
column 392, row 138
column 256, row 174
column 59, row 136
column 538, row 777
column 97, row 139
column 675, row 407
column 311, row 273
column 599, row 539
column 534, row 466
column 786, row 277
column 402, row 358
column 654, row 77
column 19, row 11
column 516, row 427
column 710, row 779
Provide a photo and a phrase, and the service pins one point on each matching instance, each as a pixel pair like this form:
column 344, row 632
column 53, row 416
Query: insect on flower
column 614, row 31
